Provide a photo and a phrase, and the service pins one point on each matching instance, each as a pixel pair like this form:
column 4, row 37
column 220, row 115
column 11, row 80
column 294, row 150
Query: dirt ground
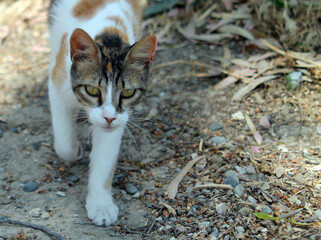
column 185, row 118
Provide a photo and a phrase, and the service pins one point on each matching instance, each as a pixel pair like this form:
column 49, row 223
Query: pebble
column 241, row 170
column 231, row 180
column 244, row 211
column 61, row 194
column 231, row 173
column 130, row 188
column 238, row 115
column 222, row 208
column 214, row 238
column 240, row 229
column 73, row 179
column 317, row 213
column 227, row 237
column 169, row 133
column 215, row 126
column 85, row 161
column 250, row 169
column 172, row 238
column 215, row 232
column 13, row 130
column 319, row 129
column 266, row 210
column 45, row 215
column 251, row 199
column 239, row 190
column 30, row 187
column 218, row 140
column 35, row 212
column 36, row 145
column 182, row 229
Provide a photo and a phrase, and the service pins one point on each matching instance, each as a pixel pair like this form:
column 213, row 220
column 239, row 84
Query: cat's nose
column 109, row 120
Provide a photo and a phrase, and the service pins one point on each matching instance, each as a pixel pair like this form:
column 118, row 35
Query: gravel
column 231, row 180
column 239, row 190
column 222, row 208
column 215, row 126
column 218, row 140
column 130, row 188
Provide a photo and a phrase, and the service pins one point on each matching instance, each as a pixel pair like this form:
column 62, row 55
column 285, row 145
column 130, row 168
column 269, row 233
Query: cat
column 96, row 65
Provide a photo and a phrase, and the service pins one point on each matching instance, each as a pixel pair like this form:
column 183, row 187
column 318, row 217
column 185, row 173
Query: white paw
column 102, row 212
column 69, row 153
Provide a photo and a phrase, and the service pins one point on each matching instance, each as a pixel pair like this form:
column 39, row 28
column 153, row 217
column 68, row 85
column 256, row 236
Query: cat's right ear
column 83, row 47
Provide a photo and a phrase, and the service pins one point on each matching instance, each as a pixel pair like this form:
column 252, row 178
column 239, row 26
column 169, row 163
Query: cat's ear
column 142, row 52
column 83, row 47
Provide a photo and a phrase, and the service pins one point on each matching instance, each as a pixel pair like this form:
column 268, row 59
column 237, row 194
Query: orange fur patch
column 109, row 67
column 86, row 9
column 59, row 73
column 118, row 32
column 119, row 22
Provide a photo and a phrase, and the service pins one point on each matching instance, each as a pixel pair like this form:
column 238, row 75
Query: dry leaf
column 248, row 88
column 258, row 138
column 279, row 171
column 169, row 208
column 265, row 122
column 173, row 186
column 236, row 31
column 250, row 123
column 226, row 82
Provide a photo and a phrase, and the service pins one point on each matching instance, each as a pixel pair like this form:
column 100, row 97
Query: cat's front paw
column 69, row 153
column 102, row 213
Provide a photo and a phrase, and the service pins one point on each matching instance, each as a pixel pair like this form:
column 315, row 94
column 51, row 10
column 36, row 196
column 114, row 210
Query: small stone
column 238, row 115
column 36, row 145
column 251, row 199
column 35, row 212
column 61, row 194
column 215, row 126
column 317, row 213
column 241, row 170
column 231, row 173
column 130, row 188
column 167, row 227
column 218, row 140
column 30, row 187
column 231, row 180
column 298, row 202
column 172, row 238
column 226, row 237
column 182, row 229
column 136, row 195
column 84, row 161
column 239, row 190
column 250, row 169
column 244, row 211
column 266, row 210
column 214, row 238
column 45, row 215
column 222, row 208
column 240, row 229
column 73, row 179
column 215, row 232
column 13, row 130
column 169, row 133
column 319, row 129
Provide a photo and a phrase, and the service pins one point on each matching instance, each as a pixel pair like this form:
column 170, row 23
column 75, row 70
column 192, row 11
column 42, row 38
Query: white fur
column 106, row 139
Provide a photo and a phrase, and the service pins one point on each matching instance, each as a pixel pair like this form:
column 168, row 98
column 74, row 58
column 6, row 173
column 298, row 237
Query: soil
column 282, row 174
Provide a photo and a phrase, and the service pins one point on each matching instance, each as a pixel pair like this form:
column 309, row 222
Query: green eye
column 127, row 93
column 92, row 91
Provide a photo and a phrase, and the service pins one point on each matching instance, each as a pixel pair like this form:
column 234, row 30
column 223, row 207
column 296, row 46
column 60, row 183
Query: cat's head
column 108, row 76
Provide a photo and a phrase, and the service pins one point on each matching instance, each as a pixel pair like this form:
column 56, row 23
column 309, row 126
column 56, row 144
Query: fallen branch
column 214, row 185
column 34, row 226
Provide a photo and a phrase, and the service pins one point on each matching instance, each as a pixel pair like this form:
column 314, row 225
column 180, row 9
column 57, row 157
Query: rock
column 218, row 140
column 35, row 212
column 214, row 238
column 250, row 169
column 239, row 190
column 30, row 187
column 231, row 180
column 222, row 208
column 317, row 213
column 61, row 194
column 44, row 215
column 240, row 229
column 73, row 179
column 84, row 161
column 231, row 173
column 215, row 232
column 215, row 126
column 244, row 211
column 227, row 237
column 318, row 130
column 169, row 133
column 266, row 210
column 251, row 199
column 238, row 115
column 130, row 188
column 241, row 170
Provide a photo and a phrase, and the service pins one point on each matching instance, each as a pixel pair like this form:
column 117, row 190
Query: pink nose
column 109, row 120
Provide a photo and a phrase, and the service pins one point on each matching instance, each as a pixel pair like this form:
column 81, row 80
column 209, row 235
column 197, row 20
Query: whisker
column 140, row 128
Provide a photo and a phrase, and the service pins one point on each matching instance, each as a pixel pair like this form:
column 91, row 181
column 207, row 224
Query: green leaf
column 265, row 216
column 292, row 221
column 278, row 3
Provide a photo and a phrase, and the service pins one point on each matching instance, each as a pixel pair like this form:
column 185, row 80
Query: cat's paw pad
column 102, row 214
column 69, row 153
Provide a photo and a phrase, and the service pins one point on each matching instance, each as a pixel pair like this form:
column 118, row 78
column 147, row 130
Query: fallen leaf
column 236, row 30
column 173, row 186
column 169, row 208
column 265, row 123
column 226, row 82
column 256, row 150
column 279, row 171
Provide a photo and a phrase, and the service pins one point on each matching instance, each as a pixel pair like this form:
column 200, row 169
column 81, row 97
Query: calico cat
column 96, row 65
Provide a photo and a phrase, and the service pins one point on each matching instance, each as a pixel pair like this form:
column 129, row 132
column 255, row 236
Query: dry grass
column 296, row 25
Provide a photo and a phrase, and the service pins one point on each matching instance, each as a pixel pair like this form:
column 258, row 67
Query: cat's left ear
column 142, row 52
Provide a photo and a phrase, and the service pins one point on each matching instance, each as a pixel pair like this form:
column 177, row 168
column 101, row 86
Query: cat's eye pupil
column 92, row 91
column 127, row 93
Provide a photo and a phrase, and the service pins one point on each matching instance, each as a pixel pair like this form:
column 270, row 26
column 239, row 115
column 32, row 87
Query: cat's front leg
column 63, row 116
column 103, row 159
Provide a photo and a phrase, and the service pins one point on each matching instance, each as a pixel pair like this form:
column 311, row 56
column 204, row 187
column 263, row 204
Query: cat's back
column 93, row 16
